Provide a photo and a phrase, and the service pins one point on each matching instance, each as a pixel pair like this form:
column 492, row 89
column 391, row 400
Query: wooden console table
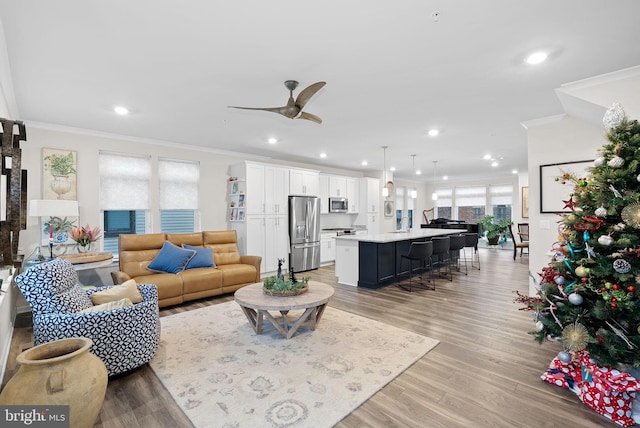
column 256, row 306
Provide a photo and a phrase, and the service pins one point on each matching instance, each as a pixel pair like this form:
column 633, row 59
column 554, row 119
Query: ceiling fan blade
column 308, row 92
column 279, row 110
column 309, row 116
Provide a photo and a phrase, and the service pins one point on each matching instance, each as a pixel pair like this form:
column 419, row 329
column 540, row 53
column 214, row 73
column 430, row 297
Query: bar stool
column 472, row 242
column 420, row 252
column 457, row 243
column 441, row 249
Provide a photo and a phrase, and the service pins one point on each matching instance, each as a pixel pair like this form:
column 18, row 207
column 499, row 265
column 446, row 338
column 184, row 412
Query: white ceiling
column 392, row 73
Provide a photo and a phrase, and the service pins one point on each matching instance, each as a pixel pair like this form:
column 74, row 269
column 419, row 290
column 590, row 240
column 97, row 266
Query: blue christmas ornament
column 564, row 356
column 559, row 280
column 575, row 299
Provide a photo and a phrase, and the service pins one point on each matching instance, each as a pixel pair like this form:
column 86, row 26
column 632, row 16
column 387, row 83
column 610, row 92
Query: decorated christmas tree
column 588, row 296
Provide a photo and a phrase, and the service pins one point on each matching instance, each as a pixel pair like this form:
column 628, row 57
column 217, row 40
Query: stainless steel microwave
column 338, row 205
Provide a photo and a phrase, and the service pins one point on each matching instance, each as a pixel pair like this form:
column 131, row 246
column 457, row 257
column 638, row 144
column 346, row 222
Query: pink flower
column 85, row 235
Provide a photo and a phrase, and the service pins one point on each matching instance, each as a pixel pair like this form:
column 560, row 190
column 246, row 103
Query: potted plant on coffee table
column 495, row 231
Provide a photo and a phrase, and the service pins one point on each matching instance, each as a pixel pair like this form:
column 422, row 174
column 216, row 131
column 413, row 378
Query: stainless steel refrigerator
column 304, row 232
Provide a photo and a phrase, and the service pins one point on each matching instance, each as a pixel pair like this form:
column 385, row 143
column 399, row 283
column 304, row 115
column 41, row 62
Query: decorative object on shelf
column 60, row 372
column 59, row 170
column 281, row 287
column 85, row 236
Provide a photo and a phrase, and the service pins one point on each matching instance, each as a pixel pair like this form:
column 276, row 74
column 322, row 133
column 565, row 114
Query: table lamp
column 52, row 208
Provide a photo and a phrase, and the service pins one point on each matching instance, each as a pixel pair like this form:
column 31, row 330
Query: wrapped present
column 608, row 391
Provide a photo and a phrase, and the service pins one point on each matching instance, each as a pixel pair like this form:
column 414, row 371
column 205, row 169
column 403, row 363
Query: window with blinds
column 470, row 203
column 500, row 201
column 125, row 183
column 179, row 183
column 444, row 204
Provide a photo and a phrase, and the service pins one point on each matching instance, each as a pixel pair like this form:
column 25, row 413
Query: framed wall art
column 59, row 179
column 388, row 208
column 525, row 202
column 553, row 192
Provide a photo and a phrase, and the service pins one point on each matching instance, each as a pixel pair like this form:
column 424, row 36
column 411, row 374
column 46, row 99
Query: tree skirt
column 222, row 374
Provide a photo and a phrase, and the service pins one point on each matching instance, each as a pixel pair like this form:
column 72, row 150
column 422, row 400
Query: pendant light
column 434, row 195
column 385, row 189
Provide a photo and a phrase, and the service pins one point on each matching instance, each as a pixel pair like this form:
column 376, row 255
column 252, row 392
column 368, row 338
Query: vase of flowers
column 85, row 237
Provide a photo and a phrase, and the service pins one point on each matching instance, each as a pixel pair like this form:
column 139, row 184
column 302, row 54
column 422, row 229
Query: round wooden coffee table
column 256, row 306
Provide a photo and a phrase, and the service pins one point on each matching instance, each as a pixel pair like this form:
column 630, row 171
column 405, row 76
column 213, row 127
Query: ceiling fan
column 293, row 109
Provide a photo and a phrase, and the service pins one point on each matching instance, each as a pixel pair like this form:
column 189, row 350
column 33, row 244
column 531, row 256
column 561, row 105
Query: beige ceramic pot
column 62, row 372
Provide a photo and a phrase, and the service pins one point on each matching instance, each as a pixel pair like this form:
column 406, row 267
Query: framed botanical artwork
column 525, row 202
column 59, row 178
column 388, row 208
column 554, row 193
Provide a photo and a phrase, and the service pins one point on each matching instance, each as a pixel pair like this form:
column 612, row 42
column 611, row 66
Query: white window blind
column 471, row 196
column 125, row 181
column 179, row 183
column 445, row 198
column 500, row 194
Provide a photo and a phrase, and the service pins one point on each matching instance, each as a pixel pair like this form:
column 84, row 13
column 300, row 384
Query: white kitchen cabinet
column 373, row 194
column 276, row 243
column 254, row 178
column 337, row 186
column 353, row 195
column 327, row 247
column 304, row 182
column 276, row 189
column 265, row 231
column 324, row 194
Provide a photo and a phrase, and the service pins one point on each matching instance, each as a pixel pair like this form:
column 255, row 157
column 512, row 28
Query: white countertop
column 400, row 236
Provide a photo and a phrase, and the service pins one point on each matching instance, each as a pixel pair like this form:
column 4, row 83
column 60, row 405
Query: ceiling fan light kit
column 293, row 109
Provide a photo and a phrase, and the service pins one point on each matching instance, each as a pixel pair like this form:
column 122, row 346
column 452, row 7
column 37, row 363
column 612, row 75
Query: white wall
column 557, row 140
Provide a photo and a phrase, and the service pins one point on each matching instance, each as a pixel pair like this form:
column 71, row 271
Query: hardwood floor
column 484, row 373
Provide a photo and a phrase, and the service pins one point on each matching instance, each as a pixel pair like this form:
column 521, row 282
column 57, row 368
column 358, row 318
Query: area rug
column 222, row 374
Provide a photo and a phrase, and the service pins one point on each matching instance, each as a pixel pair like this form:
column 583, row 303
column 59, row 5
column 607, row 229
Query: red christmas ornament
column 615, row 287
column 584, row 279
column 571, row 204
column 631, row 289
column 603, row 289
column 614, row 305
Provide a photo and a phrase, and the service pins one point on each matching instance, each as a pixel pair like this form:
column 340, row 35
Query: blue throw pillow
column 202, row 259
column 171, row 259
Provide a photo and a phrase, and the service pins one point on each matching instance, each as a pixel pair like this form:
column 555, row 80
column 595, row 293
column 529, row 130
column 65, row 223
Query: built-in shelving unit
column 237, row 202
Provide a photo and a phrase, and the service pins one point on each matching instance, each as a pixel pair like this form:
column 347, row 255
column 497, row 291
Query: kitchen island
column 374, row 260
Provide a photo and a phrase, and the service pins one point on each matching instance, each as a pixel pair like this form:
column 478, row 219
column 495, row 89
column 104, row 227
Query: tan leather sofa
column 232, row 270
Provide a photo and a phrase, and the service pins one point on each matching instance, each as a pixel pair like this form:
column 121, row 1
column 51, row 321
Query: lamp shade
column 53, row 208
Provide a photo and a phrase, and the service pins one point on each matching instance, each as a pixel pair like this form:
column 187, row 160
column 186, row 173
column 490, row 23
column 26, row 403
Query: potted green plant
column 495, row 231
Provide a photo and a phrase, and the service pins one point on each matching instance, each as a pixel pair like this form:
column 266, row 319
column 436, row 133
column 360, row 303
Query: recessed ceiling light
column 272, row 140
column 121, row 110
column 494, row 164
column 393, row 168
column 365, row 163
column 487, row 157
column 323, row 155
column 514, row 171
column 445, row 177
column 536, row 58
column 433, row 132
column 418, row 172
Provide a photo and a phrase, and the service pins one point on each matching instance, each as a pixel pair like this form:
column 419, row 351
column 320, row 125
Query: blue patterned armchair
column 123, row 338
